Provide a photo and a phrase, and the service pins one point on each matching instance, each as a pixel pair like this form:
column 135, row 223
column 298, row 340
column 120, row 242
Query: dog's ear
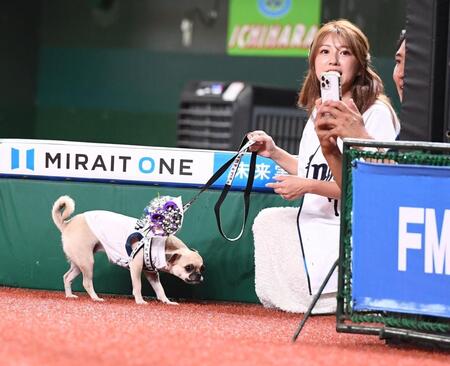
column 173, row 243
column 172, row 257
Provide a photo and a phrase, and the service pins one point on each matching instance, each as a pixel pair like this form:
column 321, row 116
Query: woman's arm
column 265, row 146
column 334, row 160
column 285, row 160
column 330, row 150
column 333, row 120
column 292, row 187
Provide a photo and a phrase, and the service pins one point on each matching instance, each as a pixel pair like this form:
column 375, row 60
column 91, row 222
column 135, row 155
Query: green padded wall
column 32, row 256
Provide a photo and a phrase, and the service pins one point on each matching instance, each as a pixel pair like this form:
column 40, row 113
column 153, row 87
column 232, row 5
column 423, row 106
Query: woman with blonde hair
column 304, row 242
column 331, row 124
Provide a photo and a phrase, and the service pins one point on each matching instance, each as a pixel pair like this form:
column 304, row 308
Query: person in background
column 338, row 46
column 350, row 125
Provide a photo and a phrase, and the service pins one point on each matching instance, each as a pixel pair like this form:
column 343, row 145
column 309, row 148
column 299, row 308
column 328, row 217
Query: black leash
column 305, row 264
column 234, row 163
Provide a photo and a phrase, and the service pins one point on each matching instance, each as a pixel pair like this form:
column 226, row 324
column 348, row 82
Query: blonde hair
column 367, row 86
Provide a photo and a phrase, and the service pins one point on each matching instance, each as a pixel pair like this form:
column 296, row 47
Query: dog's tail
column 62, row 209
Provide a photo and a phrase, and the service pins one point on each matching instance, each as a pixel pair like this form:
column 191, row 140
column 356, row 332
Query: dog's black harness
column 146, row 244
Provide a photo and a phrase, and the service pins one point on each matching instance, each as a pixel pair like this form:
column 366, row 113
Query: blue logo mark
column 146, row 165
column 15, row 159
column 274, row 8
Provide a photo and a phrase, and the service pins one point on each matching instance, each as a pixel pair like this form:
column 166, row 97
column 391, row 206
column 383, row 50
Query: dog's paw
column 71, row 296
column 168, row 302
column 98, row 299
column 141, row 302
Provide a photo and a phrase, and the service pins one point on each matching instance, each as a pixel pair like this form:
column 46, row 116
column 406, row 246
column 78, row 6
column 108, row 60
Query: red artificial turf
column 44, row 328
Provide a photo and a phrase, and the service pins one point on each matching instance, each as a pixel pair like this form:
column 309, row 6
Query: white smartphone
column 330, row 86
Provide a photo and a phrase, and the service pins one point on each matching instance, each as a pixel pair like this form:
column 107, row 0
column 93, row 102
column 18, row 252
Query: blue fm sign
column 401, row 238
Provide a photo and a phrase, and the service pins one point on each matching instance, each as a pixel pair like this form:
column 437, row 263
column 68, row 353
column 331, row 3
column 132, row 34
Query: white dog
column 94, row 231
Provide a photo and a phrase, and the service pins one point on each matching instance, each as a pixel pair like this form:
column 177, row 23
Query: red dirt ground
column 44, row 328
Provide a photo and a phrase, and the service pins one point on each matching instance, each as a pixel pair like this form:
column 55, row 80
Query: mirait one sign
column 272, row 27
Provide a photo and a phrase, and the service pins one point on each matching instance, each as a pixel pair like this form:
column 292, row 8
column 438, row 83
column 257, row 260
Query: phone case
column 330, row 86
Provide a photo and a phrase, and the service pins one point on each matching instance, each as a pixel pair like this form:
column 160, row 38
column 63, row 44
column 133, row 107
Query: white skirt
column 280, row 277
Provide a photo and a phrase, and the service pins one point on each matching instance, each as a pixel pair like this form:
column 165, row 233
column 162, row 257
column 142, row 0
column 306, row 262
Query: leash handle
column 234, row 162
column 245, row 144
column 248, row 190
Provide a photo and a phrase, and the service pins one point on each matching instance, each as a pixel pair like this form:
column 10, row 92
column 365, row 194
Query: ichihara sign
column 272, row 27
